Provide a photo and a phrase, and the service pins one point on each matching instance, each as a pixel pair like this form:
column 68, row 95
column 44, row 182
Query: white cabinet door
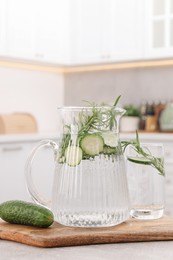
column 2, row 27
column 12, row 161
column 126, row 30
column 19, row 28
column 159, row 28
column 13, row 158
column 37, row 30
column 106, row 30
column 50, row 30
column 86, row 31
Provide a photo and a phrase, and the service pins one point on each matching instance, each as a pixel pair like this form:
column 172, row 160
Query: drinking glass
column 146, row 180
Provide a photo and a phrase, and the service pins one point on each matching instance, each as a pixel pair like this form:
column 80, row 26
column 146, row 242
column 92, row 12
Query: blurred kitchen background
column 61, row 52
column 56, row 52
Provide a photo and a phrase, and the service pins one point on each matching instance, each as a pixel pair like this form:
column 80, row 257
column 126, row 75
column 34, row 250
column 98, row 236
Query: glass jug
column 90, row 186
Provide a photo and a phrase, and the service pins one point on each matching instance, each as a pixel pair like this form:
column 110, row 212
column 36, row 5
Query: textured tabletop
column 121, row 251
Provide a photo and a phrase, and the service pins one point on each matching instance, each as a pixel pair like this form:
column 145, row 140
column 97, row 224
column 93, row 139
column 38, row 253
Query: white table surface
column 119, row 251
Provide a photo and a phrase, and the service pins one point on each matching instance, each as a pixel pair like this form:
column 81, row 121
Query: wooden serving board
column 58, row 235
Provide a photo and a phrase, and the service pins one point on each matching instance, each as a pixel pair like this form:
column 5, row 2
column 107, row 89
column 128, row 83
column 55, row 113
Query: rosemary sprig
column 153, row 161
column 98, row 119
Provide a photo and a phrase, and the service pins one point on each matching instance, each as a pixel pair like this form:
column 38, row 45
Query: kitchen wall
column 135, row 85
column 36, row 92
column 41, row 92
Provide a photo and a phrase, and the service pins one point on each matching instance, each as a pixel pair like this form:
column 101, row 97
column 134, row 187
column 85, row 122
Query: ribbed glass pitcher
column 90, row 187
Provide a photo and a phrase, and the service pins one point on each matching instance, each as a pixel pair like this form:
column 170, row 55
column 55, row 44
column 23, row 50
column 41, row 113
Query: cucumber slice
column 92, row 144
column 73, row 155
column 110, row 139
column 139, row 160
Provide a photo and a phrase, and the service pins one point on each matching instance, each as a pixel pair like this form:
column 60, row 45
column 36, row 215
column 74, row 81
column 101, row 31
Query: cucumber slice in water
column 110, row 139
column 139, row 160
column 92, row 144
column 73, row 155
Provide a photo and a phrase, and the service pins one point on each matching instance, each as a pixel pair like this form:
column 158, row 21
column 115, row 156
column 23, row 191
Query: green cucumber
column 73, row 155
column 92, row 144
column 26, row 213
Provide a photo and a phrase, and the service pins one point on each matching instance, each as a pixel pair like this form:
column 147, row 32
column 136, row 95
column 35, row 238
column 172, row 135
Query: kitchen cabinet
column 158, row 28
column 106, row 31
column 13, row 156
column 72, row 32
column 12, row 160
column 19, row 29
column 50, row 30
column 35, row 30
column 86, row 31
column 125, row 33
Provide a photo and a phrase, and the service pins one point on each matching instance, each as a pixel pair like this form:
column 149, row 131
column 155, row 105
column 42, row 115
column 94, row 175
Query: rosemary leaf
column 117, row 100
column 157, row 163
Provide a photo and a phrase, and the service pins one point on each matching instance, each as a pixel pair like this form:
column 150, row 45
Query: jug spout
column 120, row 111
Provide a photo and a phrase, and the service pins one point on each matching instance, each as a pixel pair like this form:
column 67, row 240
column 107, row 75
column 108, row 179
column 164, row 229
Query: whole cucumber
column 25, row 213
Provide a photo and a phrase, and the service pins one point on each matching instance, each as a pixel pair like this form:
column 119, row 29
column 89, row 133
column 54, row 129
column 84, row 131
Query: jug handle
column 28, row 170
